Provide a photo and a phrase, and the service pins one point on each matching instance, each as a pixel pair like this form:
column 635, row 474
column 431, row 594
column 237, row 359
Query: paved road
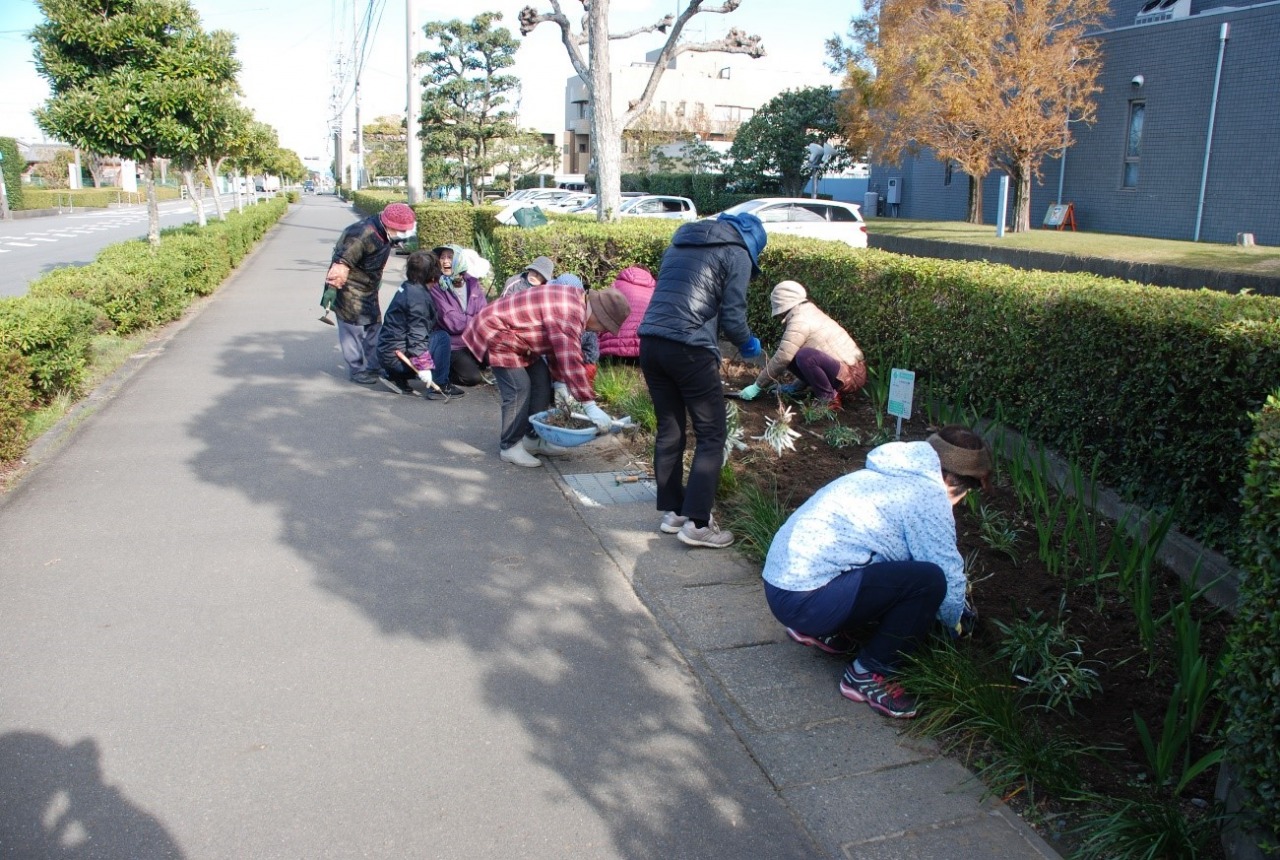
column 29, row 247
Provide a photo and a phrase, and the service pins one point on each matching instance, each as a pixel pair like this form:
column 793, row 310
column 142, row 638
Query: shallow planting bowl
column 562, row 436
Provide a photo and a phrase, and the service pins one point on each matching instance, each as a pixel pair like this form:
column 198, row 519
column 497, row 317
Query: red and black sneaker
column 838, row 643
column 884, row 696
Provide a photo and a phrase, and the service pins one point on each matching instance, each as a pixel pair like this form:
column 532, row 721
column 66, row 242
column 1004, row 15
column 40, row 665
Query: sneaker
column 452, row 390
column 365, row 377
column 711, row 536
column 837, row 643
column 671, row 522
column 538, row 445
column 399, row 386
column 486, row 376
column 517, row 455
column 884, row 696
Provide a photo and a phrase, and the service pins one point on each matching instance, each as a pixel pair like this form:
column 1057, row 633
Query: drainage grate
column 596, row 489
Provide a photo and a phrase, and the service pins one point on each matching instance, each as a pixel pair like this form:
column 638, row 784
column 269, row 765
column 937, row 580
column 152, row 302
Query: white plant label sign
column 902, row 387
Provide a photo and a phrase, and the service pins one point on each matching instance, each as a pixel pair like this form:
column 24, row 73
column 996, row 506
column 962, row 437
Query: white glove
column 425, row 376
column 598, row 416
column 563, row 397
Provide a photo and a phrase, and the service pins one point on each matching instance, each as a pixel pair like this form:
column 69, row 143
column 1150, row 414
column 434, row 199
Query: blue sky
column 287, row 49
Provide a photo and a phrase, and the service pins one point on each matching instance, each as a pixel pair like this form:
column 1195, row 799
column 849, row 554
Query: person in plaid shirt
column 516, row 333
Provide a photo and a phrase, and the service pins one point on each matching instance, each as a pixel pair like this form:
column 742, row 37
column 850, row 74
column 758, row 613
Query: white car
column 650, row 206
column 812, row 219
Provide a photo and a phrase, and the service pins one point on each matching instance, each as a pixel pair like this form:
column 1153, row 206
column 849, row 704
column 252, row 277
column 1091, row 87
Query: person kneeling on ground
column 409, row 329
column 814, row 347
column 458, row 297
column 878, row 547
column 515, row 334
column 535, row 274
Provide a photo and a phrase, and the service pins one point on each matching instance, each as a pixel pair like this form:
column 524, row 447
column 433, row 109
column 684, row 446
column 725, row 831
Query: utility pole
column 413, row 146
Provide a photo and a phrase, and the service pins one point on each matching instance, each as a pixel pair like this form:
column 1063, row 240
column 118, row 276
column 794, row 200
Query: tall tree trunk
column 236, row 178
column 213, row 180
column 197, row 200
column 975, row 199
column 605, row 142
column 153, row 204
column 1022, row 206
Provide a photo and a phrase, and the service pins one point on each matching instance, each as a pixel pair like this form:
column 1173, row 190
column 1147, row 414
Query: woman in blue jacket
column 409, row 327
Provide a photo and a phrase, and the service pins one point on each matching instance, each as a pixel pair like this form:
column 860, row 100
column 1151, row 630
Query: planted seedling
column 813, row 411
column 1049, row 662
column 997, row 532
column 840, row 436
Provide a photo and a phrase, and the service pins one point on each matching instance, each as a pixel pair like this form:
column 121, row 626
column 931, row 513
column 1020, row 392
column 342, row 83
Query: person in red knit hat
column 351, row 285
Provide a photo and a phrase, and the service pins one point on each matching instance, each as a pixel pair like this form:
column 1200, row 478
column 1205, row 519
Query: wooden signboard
column 1061, row 215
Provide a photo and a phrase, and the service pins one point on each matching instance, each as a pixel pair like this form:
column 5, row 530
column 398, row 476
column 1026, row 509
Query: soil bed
column 1006, row 589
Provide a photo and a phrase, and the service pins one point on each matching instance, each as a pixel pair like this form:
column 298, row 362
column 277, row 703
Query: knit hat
column 785, row 296
column 543, row 266
column 569, row 279
column 752, row 233
column 970, row 462
column 610, row 307
column 398, row 216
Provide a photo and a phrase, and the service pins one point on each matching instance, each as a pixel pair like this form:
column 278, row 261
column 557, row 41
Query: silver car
column 812, row 219
column 650, row 206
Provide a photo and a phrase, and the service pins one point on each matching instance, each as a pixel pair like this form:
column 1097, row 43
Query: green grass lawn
column 1138, row 249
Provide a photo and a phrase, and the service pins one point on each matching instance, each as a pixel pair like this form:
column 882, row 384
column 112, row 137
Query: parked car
column 568, row 203
column 650, row 206
column 813, row 219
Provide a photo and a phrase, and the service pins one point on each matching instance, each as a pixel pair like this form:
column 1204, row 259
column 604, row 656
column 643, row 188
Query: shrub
column 15, row 399
column 89, row 198
column 12, row 167
column 1253, row 652
column 53, row 336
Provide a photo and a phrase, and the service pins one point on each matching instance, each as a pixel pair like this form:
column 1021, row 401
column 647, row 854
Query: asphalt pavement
column 252, row 609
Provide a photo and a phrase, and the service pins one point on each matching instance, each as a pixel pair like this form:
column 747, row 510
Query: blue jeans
column 525, row 391
column 901, row 597
column 441, row 355
column 359, row 344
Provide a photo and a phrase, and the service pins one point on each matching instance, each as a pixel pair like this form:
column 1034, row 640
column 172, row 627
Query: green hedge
column 54, row 336
column 15, row 400
column 90, row 198
column 1253, row 661
column 12, row 166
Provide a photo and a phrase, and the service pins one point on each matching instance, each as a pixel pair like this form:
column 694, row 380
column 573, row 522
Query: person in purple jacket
column 458, row 297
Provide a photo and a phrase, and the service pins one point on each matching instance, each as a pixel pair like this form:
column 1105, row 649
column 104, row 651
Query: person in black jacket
column 701, row 295
column 409, row 327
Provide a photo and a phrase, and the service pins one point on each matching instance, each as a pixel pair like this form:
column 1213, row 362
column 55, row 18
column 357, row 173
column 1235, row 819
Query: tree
column 466, row 97
column 131, row 78
column 524, row 153
column 55, row 173
column 770, row 147
column 921, row 73
column 596, row 72
column 386, row 152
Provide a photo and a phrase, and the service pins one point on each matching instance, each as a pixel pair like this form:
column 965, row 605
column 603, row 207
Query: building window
column 1133, row 143
column 582, row 147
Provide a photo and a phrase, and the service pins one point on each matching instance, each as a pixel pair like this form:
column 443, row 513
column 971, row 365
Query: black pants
column 464, row 369
column 684, row 383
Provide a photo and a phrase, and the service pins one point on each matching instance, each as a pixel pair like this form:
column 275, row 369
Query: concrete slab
column 781, row 686
column 602, row 488
column 721, row 615
column 860, row 744
column 991, row 836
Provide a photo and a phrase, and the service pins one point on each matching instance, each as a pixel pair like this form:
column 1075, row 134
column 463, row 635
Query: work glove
column 751, row 348
column 598, row 416
column 751, row 392
column 968, row 620
column 425, row 376
column 792, row 388
column 563, row 397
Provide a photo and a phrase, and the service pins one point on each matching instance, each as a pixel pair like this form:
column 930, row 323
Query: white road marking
column 19, row 244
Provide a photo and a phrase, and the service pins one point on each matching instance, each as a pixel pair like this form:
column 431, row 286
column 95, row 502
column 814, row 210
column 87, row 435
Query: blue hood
column 752, row 233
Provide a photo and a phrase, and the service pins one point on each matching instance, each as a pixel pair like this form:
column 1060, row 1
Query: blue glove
column 598, row 416
column 751, row 392
column 751, row 348
column 792, row 388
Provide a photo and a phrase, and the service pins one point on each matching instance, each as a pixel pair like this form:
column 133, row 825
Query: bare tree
column 596, row 73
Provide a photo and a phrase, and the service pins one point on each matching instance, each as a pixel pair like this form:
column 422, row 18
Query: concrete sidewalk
column 251, row 609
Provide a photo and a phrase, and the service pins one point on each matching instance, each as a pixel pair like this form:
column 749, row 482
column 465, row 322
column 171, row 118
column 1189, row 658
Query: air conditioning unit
column 1156, row 11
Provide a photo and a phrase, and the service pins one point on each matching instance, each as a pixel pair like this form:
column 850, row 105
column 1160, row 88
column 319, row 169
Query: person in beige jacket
column 814, row 347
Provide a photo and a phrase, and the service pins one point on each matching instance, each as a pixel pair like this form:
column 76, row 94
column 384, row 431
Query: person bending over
column 878, row 547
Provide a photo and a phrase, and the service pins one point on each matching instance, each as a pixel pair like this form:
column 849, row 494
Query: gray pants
column 359, row 345
column 524, row 391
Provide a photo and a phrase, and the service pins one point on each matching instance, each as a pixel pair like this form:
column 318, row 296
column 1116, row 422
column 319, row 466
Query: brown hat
column 970, row 462
column 609, row 306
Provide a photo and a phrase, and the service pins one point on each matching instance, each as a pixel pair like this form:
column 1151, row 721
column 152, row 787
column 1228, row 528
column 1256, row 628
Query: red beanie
column 398, row 216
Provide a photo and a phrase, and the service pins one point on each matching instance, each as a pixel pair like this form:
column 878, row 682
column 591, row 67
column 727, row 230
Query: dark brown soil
column 1006, row 590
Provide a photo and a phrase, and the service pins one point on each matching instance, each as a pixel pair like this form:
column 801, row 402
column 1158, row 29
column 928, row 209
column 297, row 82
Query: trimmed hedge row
column 128, row 287
column 1253, row 662
column 1158, row 384
column 89, row 198
column 12, row 167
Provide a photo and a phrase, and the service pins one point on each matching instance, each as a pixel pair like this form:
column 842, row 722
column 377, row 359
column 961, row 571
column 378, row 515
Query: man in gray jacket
column 701, row 294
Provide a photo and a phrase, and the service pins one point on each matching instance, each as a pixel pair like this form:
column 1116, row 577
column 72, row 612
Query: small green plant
column 755, row 513
column 814, row 411
column 840, row 436
column 734, row 432
column 1041, row 655
column 1145, row 827
column 998, row 532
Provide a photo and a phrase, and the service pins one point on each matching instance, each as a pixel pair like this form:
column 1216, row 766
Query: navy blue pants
column 441, row 355
column 684, row 384
column 900, row 597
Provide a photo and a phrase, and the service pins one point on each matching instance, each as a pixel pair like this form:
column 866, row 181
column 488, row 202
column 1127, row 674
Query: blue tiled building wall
column 1177, row 61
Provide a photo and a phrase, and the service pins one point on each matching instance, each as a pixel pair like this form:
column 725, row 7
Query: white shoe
column 538, row 445
column 671, row 522
column 712, row 537
column 519, row 456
